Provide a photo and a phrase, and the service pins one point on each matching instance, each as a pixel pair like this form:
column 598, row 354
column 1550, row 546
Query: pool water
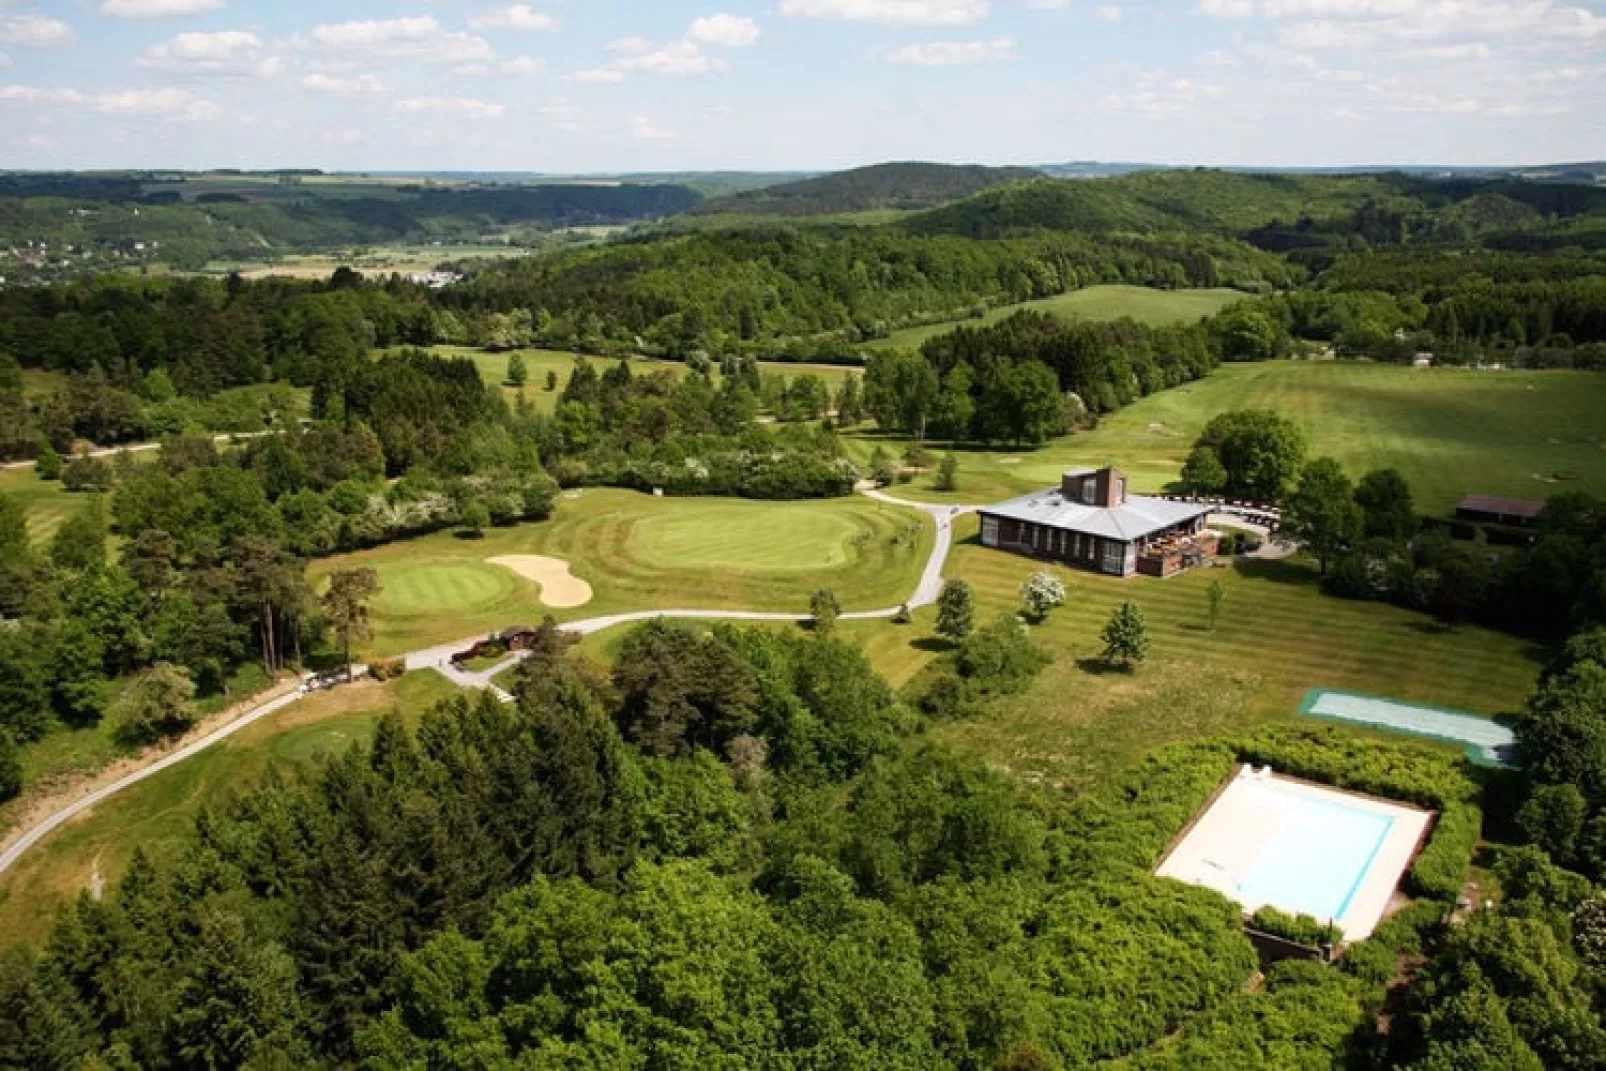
column 1317, row 858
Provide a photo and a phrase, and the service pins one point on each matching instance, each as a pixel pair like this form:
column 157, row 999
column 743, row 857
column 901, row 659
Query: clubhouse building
column 1091, row 522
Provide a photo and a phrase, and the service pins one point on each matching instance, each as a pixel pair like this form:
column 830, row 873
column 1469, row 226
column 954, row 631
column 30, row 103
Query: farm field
column 1449, row 431
column 1156, row 308
column 157, row 815
column 379, row 260
column 640, row 552
column 1278, row 637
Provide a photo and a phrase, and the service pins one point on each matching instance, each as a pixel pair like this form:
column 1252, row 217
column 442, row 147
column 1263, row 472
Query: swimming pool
column 1317, row 858
column 1302, row 848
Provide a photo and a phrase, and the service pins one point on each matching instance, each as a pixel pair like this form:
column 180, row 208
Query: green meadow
column 1156, row 308
column 1278, row 637
column 1449, row 431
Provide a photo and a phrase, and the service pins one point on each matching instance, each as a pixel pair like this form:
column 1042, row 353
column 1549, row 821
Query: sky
column 567, row 86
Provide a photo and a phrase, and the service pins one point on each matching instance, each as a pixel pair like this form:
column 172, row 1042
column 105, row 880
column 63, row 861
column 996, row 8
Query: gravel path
column 438, row 658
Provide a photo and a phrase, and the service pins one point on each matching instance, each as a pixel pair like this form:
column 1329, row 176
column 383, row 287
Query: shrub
column 1300, row 929
column 1001, row 658
column 387, row 670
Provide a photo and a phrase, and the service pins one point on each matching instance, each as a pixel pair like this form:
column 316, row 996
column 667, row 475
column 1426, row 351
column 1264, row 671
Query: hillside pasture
column 1156, row 308
column 639, row 553
column 1451, row 432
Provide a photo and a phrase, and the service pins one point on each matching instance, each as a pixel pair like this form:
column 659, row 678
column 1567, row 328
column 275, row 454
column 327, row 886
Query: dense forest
column 881, row 187
column 730, row 849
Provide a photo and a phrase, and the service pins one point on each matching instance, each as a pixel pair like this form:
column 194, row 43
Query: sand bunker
column 560, row 588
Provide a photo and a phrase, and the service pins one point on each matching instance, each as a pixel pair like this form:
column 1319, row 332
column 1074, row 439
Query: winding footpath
column 438, row 658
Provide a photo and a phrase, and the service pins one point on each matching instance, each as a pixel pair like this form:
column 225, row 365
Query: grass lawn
column 1278, row 637
column 1450, row 431
column 1157, row 308
column 47, row 502
column 639, row 552
column 158, row 814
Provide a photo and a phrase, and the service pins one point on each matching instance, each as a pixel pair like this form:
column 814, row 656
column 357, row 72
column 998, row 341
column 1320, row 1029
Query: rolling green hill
column 898, row 187
column 102, row 224
column 1277, row 211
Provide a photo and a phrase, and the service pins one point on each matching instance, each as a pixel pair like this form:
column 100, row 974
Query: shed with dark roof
column 1492, row 509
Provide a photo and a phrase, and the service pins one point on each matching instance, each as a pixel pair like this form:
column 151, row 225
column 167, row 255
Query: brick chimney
column 1111, row 492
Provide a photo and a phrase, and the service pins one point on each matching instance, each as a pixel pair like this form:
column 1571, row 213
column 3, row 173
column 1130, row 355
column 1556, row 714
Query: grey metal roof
column 1140, row 516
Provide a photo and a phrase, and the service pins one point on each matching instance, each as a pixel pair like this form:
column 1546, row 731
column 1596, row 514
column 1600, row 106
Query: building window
column 1090, row 491
column 1120, row 491
column 989, row 531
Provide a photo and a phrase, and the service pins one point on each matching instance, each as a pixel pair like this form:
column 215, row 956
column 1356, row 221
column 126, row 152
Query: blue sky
column 596, row 85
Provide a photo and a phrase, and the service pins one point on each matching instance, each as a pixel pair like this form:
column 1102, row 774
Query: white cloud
column 515, row 17
column 953, row 53
column 360, row 85
column 227, row 52
column 174, row 104
column 524, row 65
column 157, row 9
column 683, row 57
column 418, row 37
column 1049, row 5
column 471, row 109
column 727, row 31
column 5, row 61
column 1110, row 12
column 35, row 31
column 1159, row 95
column 643, row 129
column 342, row 136
column 1228, row 9
column 562, row 114
column 903, row 12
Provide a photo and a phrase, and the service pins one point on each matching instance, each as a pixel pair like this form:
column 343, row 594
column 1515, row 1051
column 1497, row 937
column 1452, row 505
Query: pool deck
column 1231, row 837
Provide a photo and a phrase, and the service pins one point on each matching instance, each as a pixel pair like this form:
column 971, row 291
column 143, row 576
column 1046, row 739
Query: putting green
column 771, row 540
column 415, row 589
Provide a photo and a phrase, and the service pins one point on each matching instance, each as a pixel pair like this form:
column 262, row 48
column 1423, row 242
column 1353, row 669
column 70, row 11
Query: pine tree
column 517, row 371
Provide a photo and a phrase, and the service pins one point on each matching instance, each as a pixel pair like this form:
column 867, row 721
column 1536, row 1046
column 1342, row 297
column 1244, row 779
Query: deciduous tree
column 155, row 704
column 956, row 610
column 1126, row 637
column 1321, row 514
column 825, row 609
